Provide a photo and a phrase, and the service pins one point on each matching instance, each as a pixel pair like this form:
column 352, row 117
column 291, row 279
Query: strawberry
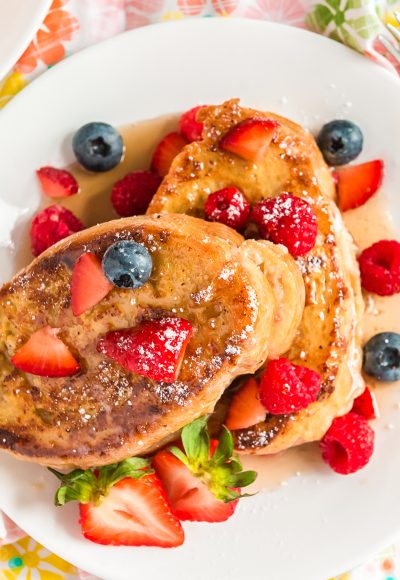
column 250, row 138
column 45, row 355
column 357, row 183
column 57, row 182
column 88, row 284
column 122, row 504
column 246, row 408
column 167, row 149
column 154, row 349
column 203, row 481
column 366, row 405
column 189, row 126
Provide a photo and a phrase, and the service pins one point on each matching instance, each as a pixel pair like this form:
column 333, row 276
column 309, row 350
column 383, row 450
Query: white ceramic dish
column 320, row 523
column 19, row 20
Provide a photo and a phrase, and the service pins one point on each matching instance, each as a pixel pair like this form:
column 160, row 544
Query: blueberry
column 340, row 142
column 127, row 264
column 382, row 357
column 98, row 146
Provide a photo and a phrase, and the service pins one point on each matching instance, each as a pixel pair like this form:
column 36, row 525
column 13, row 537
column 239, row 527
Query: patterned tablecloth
column 73, row 24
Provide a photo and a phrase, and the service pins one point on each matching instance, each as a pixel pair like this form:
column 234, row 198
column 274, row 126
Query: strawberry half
column 250, row 138
column 246, row 408
column 357, row 183
column 88, row 283
column 167, row 149
column 366, row 405
column 45, row 355
column 121, row 505
column 202, row 482
column 57, row 182
column 154, row 349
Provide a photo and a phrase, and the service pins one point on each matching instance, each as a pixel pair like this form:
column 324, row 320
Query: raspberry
column 287, row 220
column 52, row 225
column 189, row 127
column 348, row 444
column 132, row 194
column 287, row 388
column 227, row 206
column 380, row 268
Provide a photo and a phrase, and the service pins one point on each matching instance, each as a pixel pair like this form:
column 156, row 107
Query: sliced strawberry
column 88, row 284
column 57, row 182
column 366, row 405
column 189, row 126
column 154, row 349
column 45, row 355
column 189, row 497
column 357, row 183
column 246, row 408
column 250, row 138
column 167, row 149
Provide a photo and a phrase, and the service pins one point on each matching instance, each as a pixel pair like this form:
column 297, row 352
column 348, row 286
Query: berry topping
column 246, row 408
column 154, row 349
column 203, row 480
column 250, row 138
column 382, row 357
column 380, row 268
column 122, row 504
column 166, row 151
column 45, row 355
column 98, row 146
column 366, row 405
column 132, row 194
column 287, row 388
column 227, row 206
column 357, row 183
column 189, row 127
column 287, row 220
column 57, row 182
column 348, row 444
column 340, row 142
column 88, row 284
column 52, row 225
column 127, row 264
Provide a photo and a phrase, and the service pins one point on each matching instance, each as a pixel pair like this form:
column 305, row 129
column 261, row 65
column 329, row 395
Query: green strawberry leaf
column 196, row 441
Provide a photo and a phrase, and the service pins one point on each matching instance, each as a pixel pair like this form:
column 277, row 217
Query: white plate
column 19, row 20
column 320, row 523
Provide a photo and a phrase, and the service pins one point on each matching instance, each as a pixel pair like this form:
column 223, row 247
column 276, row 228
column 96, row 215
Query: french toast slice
column 204, row 273
column 328, row 339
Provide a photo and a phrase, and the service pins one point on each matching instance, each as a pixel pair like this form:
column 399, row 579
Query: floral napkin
column 73, row 24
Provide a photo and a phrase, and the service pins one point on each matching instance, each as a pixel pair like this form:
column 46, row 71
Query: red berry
column 287, row 388
column 227, row 206
column 88, row 283
column 166, row 151
column 348, row 444
column 246, row 408
column 57, row 182
column 357, row 183
column 366, row 405
column 189, row 127
column 380, row 268
column 287, row 220
column 132, row 194
column 250, row 139
column 52, row 225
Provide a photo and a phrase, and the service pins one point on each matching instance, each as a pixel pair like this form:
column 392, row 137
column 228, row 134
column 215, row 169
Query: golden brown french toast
column 204, row 273
column 328, row 339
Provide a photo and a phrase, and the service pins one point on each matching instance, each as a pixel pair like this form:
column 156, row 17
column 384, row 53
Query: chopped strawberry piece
column 57, row 182
column 45, row 355
column 189, row 497
column 189, row 126
column 52, row 225
column 366, row 405
column 88, row 284
column 132, row 194
column 154, row 349
column 357, row 183
column 250, row 138
column 135, row 512
column 166, row 151
column 246, row 408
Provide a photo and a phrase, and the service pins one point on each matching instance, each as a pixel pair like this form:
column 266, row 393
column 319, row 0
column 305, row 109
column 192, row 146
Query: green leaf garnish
column 222, row 471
